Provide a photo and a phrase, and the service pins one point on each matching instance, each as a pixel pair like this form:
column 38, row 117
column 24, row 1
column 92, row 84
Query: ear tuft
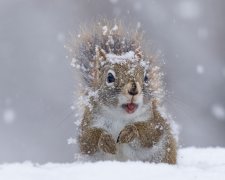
column 100, row 53
column 138, row 53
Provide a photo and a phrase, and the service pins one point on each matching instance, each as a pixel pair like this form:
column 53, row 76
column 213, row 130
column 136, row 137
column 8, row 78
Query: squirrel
column 122, row 91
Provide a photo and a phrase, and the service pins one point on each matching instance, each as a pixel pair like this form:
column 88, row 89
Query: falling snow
column 104, row 30
column 61, row 37
column 218, row 111
column 72, row 141
column 9, row 116
column 188, row 9
column 200, row 69
column 114, row 1
column 115, row 28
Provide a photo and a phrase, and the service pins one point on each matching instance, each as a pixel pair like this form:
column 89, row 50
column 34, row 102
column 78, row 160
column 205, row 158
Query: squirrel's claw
column 107, row 144
column 127, row 134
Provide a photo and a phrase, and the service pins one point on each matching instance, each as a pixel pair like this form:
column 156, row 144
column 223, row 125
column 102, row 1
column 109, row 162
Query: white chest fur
column 114, row 120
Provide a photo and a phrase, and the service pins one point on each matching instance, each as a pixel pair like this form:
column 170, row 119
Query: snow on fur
column 193, row 163
column 107, row 45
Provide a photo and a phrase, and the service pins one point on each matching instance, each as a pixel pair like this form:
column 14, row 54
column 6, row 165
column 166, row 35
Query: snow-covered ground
column 193, row 163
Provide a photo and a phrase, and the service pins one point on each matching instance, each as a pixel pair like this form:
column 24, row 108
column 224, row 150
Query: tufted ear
column 138, row 53
column 100, row 53
column 100, row 56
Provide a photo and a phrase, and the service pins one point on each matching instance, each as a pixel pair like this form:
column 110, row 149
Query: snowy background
column 37, row 83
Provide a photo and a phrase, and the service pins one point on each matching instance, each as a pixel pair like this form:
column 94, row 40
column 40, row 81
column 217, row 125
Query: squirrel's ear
column 138, row 53
column 100, row 56
column 100, row 53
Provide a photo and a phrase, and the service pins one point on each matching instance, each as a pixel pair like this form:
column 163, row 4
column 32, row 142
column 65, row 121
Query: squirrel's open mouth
column 130, row 107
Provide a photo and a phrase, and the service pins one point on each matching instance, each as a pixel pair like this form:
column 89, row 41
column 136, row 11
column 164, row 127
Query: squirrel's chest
column 113, row 124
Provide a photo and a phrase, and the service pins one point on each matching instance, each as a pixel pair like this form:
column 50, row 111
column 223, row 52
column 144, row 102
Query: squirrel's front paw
column 127, row 134
column 107, row 144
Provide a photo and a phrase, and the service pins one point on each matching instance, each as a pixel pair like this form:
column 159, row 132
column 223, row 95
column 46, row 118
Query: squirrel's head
column 114, row 66
column 124, row 81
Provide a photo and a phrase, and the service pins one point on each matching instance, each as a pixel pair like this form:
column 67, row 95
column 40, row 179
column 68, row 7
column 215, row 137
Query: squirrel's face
column 125, row 87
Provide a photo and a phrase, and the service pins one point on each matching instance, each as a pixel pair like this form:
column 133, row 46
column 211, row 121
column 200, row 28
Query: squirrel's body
column 123, row 90
column 163, row 150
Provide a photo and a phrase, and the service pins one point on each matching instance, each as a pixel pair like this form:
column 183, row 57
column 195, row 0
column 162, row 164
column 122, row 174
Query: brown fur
column 89, row 50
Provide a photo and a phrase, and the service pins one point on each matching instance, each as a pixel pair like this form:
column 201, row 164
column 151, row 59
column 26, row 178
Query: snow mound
column 193, row 163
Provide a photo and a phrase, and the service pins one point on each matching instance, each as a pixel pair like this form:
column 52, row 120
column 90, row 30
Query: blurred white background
column 37, row 83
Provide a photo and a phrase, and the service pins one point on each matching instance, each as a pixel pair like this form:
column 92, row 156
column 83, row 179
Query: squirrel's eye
column 146, row 79
column 110, row 78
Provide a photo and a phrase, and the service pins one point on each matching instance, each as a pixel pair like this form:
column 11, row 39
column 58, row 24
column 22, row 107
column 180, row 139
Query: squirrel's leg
column 144, row 131
column 171, row 151
column 94, row 139
column 171, row 144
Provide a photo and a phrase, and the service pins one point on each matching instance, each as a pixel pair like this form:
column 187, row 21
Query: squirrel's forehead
column 127, row 68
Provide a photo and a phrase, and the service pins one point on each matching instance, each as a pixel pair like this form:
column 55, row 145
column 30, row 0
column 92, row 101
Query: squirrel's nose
column 133, row 91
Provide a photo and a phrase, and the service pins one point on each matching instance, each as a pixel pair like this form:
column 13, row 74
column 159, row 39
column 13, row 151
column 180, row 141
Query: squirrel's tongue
column 130, row 107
